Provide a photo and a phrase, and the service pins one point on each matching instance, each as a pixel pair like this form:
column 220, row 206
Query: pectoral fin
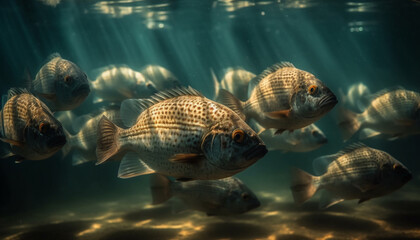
column 278, row 114
column 363, row 187
column 186, row 158
column 131, row 166
column 48, row 96
column 13, row 142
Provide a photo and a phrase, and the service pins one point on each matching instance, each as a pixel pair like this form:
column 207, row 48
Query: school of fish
column 193, row 146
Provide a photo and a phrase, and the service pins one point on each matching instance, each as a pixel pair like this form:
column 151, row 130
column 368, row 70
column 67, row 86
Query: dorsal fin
column 385, row 91
column 254, row 82
column 16, row 91
column 132, row 108
column 351, row 148
column 52, row 56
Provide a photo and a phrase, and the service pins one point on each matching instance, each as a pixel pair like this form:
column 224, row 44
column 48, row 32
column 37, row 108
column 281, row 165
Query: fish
column 357, row 172
column 306, row 139
column 161, row 77
column 61, row 84
column 392, row 114
column 29, row 127
column 358, row 97
column 82, row 145
column 179, row 133
column 235, row 81
column 117, row 83
column 283, row 97
column 227, row 196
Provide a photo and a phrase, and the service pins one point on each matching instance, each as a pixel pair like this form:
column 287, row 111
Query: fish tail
column 232, row 102
column 68, row 147
column 107, row 142
column 160, row 187
column 348, row 123
column 304, row 185
column 216, row 84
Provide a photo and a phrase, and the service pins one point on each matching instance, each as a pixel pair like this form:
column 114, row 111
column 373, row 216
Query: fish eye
column 314, row 133
column 68, row 79
column 43, row 128
column 312, row 89
column 397, row 166
column 238, row 135
column 245, row 196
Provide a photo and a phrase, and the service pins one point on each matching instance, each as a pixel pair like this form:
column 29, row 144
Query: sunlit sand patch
column 115, row 220
column 95, row 227
column 142, row 223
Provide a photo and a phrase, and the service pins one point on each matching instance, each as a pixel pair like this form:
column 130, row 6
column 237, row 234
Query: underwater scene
column 210, row 119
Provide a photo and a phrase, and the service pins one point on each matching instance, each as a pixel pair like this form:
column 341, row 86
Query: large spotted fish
column 393, row 114
column 61, row 84
column 284, row 98
column 357, row 172
column 182, row 134
column 29, row 127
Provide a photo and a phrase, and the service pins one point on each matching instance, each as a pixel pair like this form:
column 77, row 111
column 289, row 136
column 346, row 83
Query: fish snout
column 328, row 101
column 407, row 177
column 256, row 152
column 83, row 89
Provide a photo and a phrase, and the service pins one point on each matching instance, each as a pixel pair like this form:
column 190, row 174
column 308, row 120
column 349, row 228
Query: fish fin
column 216, row 84
column 27, row 78
column 8, row 154
column 68, row 147
column 348, row 123
column 278, row 114
column 78, row 158
column 48, row 96
column 279, row 131
column 320, row 164
column 107, row 141
column 350, row 148
column 363, row 200
column 373, row 96
column 132, row 166
column 328, row 199
column 261, row 130
column 131, row 109
column 186, row 158
column 303, row 185
column 13, row 142
column 232, row 102
column 184, row 179
column 257, row 79
column 52, row 56
column 160, row 186
column 16, row 91
column 368, row 133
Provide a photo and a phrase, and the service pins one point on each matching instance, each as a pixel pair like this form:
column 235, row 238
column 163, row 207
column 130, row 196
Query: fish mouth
column 407, row 177
column 256, row 152
column 323, row 141
column 328, row 101
column 84, row 89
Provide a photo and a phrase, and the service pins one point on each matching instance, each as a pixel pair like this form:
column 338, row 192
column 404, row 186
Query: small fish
column 83, row 144
column 392, row 113
column 29, row 127
column 226, row 196
column 235, row 81
column 357, row 97
column 357, row 172
column 284, row 98
column 161, row 77
column 305, row 139
column 179, row 133
column 61, row 84
column 117, row 83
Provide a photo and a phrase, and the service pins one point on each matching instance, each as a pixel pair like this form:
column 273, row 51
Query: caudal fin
column 107, row 142
column 216, row 84
column 304, row 185
column 348, row 123
column 160, row 186
column 68, row 147
column 228, row 99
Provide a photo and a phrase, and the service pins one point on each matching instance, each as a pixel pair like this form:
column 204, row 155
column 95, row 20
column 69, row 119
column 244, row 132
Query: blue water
column 340, row 42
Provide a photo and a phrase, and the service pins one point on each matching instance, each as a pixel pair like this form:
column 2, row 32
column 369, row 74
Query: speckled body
column 216, row 197
column 192, row 125
column 116, row 84
column 23, row 113
column 276, row 92
column 361, row 173
column 394, row 112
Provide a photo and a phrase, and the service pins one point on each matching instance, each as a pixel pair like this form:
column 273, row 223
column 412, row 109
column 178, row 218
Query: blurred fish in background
column 357, row 172
column 284, row 98
column 60, row 84
column 227, row 196
column 29, row 127
column 117, row 83
column 235, row 81
column 357, row 98
column 161, row 77
column 179, row 133
column 391, row 113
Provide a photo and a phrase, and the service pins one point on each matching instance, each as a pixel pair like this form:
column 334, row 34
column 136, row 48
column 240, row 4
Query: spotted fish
column 29, row 127
column 391, row 113
column 227, row 196
column 182, row 134
column 284, row 98
column 357, row 172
